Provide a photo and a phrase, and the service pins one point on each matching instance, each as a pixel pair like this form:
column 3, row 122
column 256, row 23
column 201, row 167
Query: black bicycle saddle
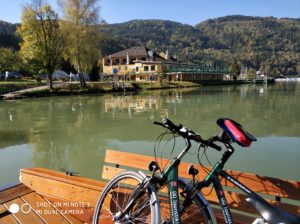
column 272, row 214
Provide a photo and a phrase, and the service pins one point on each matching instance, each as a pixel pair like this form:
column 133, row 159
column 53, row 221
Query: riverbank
column 65, row 89
column 12, row 86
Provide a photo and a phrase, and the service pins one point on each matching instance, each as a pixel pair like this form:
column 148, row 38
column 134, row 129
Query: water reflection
column 72, row 132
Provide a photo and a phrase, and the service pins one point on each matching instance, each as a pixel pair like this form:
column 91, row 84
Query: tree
column 80, row 26
column 161, row 74
column 235, row 69
column 9, row 60
column 42, row 43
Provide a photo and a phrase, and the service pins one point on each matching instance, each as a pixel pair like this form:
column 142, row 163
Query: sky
column 184, row 11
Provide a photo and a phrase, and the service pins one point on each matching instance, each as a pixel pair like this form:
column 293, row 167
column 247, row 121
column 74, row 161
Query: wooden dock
column 46, row 196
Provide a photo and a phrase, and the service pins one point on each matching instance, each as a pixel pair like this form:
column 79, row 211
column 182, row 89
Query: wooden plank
column 14, row 192
column 69, row 190
column 21, row 217
column 2, row 209
column 238, row 218
column 109, row 172
column 75, row 213
column 62, row 177
column 260, row 184
column 234, row 199
column 45, row 210
column 10, row 185
column 8, row 219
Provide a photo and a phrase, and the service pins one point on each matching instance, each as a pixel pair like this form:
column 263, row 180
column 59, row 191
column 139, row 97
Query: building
column 136, row 63
column 143, row 64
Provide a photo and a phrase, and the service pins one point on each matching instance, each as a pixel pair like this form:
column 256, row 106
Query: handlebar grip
column 213, row 145
column 207, row 143
column 158, row 123
column 170, row 124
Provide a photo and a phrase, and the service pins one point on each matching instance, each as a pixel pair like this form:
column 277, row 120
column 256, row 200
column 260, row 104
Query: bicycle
column 233, row 132
column 131, row 197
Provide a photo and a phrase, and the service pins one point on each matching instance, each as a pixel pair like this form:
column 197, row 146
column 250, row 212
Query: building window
column 143, row 59
column 137, row 69
column 146, row 68
column 152, row 67
column 117, row 61
column 124, row 60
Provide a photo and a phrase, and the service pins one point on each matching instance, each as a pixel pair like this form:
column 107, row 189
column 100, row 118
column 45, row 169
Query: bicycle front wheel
column 116, row 196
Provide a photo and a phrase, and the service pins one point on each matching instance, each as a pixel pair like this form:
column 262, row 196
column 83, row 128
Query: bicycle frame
column 170, row 176
column 213, row 177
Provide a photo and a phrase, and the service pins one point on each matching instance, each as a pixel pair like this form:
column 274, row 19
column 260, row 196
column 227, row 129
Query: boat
column 48, row 196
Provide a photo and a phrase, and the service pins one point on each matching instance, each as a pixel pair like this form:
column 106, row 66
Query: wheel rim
column 116, row 200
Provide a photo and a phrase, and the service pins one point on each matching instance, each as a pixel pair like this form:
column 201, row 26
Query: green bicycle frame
column 170, row 176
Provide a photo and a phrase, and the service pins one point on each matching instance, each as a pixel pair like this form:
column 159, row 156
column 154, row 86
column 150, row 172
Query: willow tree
column 41, row 37
column 80, row 25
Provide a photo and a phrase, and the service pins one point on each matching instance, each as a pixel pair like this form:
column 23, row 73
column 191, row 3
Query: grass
column 74, row 88
column 12, row 86
column 164, row 85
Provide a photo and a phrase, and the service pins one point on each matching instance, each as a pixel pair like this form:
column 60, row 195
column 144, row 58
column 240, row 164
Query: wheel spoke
column 116, row 196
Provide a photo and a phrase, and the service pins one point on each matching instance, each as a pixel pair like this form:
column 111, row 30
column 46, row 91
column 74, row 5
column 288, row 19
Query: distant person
column 71, row 76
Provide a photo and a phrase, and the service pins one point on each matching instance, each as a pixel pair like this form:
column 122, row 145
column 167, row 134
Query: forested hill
column 8, row 37
column 264, row 43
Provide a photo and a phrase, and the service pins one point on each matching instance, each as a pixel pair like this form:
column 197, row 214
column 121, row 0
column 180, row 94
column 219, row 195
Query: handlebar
column 186, row 133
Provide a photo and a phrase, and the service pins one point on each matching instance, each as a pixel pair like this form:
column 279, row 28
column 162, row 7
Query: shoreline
column 37, row 90
column 72, row 89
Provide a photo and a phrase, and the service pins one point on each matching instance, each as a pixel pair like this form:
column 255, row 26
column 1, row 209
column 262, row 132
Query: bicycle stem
column 185, row 150
column 219, row 165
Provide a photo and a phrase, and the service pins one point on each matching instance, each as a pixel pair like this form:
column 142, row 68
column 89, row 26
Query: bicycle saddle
column 236, row 132
column 272, row 214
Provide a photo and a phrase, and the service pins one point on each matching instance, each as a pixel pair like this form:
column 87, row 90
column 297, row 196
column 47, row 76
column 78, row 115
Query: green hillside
column 269, row 44
column 8, row 37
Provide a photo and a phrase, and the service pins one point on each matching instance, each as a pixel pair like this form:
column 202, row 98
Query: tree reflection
column 73, row 132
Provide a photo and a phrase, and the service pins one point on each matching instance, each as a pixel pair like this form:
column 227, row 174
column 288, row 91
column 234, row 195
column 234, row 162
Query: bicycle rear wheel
column 199, row 212
column 116, row 196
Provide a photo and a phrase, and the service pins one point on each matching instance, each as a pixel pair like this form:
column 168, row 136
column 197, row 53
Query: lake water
column 73, row 132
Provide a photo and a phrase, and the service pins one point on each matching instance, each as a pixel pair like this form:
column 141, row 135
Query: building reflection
column 142, row 104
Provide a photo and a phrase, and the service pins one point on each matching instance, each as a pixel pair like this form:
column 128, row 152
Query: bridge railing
column 184, row 68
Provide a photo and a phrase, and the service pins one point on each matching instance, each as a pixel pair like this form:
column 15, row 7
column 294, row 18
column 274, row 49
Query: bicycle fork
column 137, row 193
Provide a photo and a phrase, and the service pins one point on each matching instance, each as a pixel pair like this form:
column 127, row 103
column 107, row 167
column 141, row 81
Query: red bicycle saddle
column 236, row 132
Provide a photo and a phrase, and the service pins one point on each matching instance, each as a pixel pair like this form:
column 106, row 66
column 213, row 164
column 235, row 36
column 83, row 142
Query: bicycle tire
column 117, row 193
column 198, row 212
